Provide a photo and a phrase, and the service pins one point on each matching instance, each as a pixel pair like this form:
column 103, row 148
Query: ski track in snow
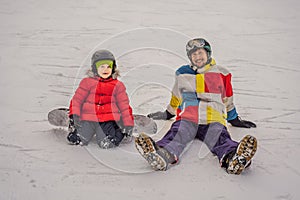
column 45, row 51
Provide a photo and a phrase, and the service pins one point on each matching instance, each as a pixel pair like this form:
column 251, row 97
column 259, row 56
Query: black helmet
column 102, row 55
column 198, row 43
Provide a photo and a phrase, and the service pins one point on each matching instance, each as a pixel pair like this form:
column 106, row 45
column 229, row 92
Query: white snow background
column 45, row 48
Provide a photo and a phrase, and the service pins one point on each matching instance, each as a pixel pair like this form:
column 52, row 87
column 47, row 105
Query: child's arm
column 123, row 104
column 79, row 97
column 232, row 115
column 228, row 98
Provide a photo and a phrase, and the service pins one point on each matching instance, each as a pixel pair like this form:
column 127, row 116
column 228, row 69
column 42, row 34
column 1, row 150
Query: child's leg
column 166, row 151
column 86, row 132
column 233, row 156
column 116, row 132
column 109, row 131
column 100, row 134
column 217, row 139
column 180, row 134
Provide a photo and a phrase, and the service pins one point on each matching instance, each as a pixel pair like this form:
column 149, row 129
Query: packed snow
column 45, row 50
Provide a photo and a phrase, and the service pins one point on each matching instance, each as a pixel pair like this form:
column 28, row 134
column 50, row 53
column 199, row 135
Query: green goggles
column 100, row 63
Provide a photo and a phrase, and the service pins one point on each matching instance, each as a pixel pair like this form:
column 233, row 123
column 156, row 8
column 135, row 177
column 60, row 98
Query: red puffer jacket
column 98, row 99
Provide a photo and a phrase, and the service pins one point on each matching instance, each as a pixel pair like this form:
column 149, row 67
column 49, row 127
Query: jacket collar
column 104, row 79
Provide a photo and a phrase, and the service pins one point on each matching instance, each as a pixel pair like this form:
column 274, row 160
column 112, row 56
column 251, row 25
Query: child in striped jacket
column 202, row 101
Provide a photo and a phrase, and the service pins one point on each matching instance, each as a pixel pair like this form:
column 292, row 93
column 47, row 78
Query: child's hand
column 74, row 138
column 161, row 115
column 238, row 122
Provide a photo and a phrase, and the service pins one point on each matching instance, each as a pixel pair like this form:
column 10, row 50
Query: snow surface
column 45, row 47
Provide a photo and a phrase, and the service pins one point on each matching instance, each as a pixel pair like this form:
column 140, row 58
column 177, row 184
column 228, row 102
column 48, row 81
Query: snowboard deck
column 60, row 117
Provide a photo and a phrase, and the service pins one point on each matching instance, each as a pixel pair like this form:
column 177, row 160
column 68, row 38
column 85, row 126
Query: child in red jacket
column 99, row 104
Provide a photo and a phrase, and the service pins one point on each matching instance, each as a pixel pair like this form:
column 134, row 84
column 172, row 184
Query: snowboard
column 60, row 117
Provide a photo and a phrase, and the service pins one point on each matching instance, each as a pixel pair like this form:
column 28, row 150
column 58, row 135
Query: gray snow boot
column 158, row 157
column 107, row 143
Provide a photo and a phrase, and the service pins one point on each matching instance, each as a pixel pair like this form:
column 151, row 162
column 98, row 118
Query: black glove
column 238, row 122
column 74, row 122
column 127, row 131
column 74, row 138
column 161, row 115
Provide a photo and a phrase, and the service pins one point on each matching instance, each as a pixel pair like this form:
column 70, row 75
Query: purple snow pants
column 214, row 135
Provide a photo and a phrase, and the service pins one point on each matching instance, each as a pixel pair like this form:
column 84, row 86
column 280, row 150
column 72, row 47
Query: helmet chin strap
column 194, row 67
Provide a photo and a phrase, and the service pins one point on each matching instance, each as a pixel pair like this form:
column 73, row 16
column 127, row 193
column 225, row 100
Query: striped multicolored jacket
column 203, row 95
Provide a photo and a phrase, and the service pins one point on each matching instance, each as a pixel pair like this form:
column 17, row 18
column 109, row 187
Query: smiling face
column 104, row 68
column 104, row 71
column 199, row 57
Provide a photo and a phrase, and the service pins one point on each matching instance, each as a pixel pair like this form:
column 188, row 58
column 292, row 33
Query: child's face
column 199, row 57
column 104, row 71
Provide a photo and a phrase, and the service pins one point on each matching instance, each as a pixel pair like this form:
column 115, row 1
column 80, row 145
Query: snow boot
column 107, row 143
column 236, row 161
column 158, row 157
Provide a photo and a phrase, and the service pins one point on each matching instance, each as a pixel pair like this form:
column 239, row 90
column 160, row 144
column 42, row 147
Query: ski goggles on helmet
column 100, row 63
column 195, row 44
